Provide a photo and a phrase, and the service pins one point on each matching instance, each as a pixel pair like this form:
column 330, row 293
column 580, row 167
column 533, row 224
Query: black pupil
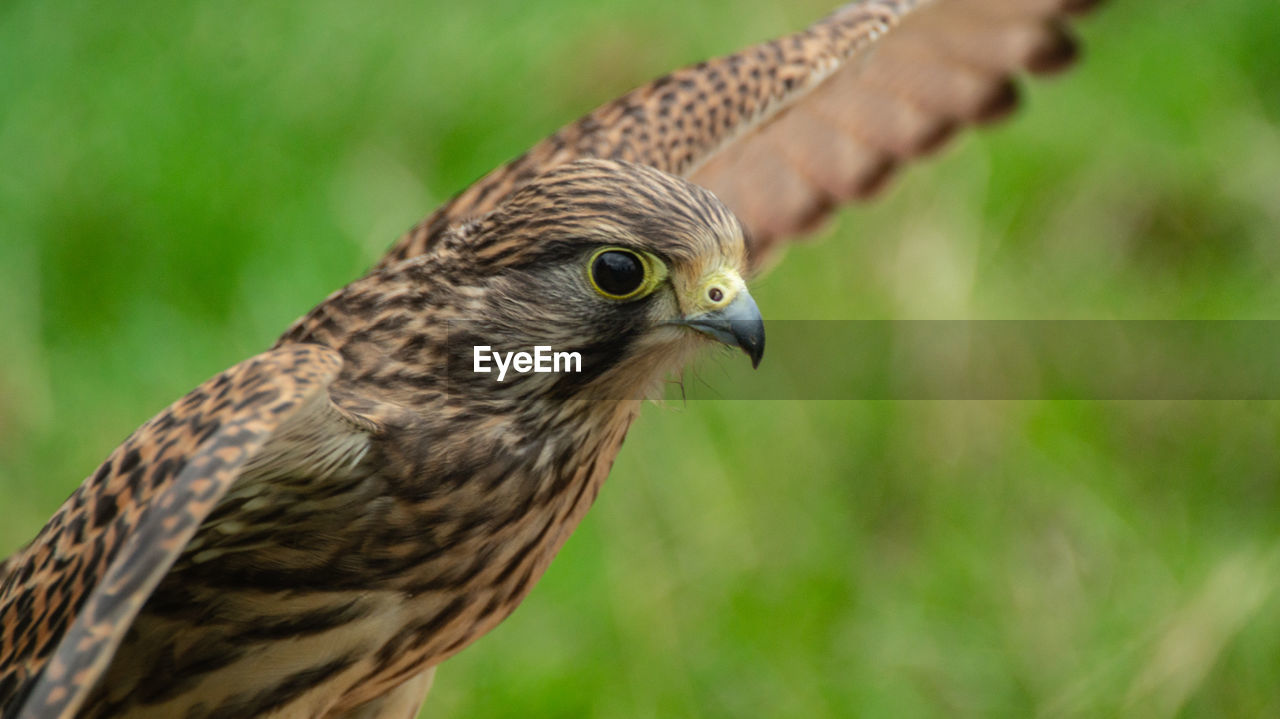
column 618, row 273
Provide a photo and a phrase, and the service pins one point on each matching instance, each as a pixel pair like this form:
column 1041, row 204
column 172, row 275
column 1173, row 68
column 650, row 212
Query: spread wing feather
column 67, row 599
column 787, row 130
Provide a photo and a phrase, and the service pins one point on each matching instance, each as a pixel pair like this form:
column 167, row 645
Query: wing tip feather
column 1058, row 53
column 1080, row 7
column 1000, row 103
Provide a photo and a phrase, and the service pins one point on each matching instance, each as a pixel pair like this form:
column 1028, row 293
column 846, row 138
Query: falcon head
column 629, row 267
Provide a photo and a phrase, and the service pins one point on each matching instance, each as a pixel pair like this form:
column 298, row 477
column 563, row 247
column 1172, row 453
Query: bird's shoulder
column 67, row 597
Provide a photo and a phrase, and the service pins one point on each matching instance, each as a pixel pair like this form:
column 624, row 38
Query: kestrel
column 311, row 532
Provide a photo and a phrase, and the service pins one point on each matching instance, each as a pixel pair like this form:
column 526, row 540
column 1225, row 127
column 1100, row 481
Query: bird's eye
column 622, row 274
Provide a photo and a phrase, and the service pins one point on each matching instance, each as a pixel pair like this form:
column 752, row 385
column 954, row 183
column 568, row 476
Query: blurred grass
column 180, row 181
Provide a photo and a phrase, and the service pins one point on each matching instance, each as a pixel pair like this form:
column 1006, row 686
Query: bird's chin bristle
column 645, row 372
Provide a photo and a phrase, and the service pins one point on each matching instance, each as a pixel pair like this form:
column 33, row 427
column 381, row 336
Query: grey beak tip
column 749, row 336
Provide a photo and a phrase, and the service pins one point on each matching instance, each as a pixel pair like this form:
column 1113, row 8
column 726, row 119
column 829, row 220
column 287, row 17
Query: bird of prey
column 312, row 531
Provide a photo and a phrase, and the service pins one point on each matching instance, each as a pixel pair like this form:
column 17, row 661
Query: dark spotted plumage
column 382, row 511
column 311, row 532
column 143, row 504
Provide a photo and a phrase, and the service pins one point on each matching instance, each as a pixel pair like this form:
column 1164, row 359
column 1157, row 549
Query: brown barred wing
column 787, row 130
column 68, row 598
column 948, row 65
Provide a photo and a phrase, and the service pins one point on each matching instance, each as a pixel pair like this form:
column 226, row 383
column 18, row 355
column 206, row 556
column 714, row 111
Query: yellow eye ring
column 620, row 273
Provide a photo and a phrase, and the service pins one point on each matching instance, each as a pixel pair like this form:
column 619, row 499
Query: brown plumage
column 309, row 533
column 353, row 495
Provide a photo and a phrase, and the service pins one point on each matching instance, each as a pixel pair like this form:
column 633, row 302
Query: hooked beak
column 737, row 324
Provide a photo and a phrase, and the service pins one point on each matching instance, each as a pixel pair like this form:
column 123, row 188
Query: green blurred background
column 179, row 181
